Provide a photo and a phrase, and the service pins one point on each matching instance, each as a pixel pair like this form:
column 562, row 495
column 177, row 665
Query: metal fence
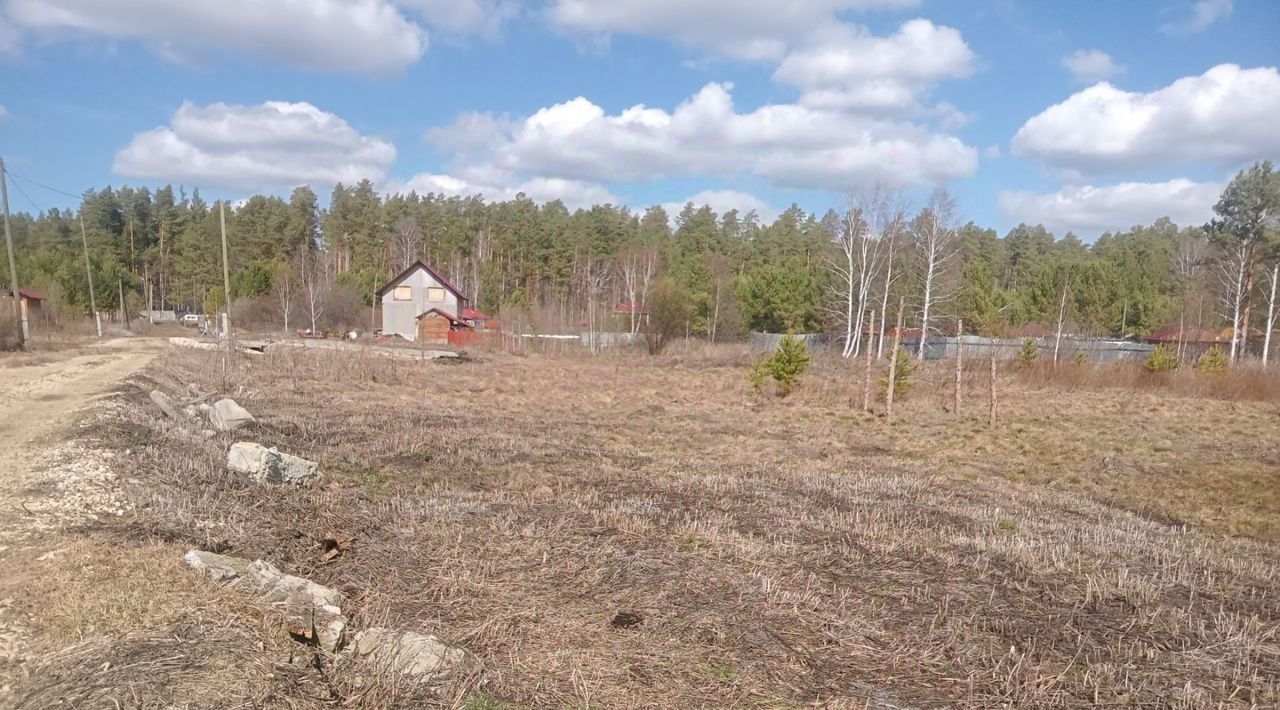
column 1093, row 350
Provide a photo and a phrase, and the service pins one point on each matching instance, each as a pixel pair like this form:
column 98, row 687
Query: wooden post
column 959, row 364
column 866, row 378
column 226, row 293
column 893, row 367
column 88, row 272
column 991, row 414
column 19, row 308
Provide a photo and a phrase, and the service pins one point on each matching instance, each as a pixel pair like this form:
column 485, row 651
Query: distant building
column 420, row 304
column 33, row 299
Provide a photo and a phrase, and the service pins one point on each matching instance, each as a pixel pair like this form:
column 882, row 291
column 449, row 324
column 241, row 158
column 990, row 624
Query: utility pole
column 226, row 270
column 88, row 271
column 20, row 308
column 226, row 292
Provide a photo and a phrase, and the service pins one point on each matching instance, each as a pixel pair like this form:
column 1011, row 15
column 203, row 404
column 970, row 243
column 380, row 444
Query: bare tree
column 407, row 241
column 636, row 268
column 868, row 226
column 313, row 287
column 595, row 276
column 892, row 233
column 1062, row 318
column 1273, row 279
column 285, row 287
column 934, row 233
column 1233, row 277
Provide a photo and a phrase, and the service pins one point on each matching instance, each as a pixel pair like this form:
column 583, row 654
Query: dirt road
column 47, row 480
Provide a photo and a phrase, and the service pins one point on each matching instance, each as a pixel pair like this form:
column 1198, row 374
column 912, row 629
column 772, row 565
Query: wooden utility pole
column 991, row 414
column 226, row 293
column 88, row 271
column 146, row 278
column 959, row 364
column 893, row 367
column 19, row 308
column 226, row 270
column 866, row 377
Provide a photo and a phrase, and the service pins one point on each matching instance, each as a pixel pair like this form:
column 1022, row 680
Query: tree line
column 733, row 273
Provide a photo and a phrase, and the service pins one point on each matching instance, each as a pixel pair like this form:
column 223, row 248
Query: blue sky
column 1085, row 115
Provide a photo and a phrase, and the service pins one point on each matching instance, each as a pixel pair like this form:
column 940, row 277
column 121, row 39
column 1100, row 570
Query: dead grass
column 776, row 553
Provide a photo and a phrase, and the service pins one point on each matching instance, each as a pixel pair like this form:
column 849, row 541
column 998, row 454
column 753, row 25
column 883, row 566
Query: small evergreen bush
column 1162, row 359
column 784, row 366
column 1029, row 353
column 903, row 375
column 1213, row 362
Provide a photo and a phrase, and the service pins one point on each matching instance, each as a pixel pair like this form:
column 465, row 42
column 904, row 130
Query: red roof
column 439, row 312
column 1173, row 334
column 628, row 307
column 24, row 292
column 434, row 274
column 473, row 314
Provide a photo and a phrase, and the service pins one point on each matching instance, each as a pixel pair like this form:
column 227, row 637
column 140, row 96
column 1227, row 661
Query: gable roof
column 23, row 292
column 452, row 318
column 420, row 264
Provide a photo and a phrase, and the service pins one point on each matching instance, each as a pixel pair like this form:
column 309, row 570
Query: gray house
column 421, row 304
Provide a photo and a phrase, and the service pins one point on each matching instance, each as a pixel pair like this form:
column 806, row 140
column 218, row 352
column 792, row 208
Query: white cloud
column 1204, row 13
column 721, row 201
column 271, row 145
column 573, row 193
column 787, row 144
column 363, row 36
column 465, row 17
column 1092, row 210
column 4, row 112
column 1226, row 115
column 845, row 66
column 742, row 29
column 1091, row 65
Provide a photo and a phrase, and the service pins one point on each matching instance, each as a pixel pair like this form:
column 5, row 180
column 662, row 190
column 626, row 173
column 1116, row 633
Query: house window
column 403, row 293
column 435, row 294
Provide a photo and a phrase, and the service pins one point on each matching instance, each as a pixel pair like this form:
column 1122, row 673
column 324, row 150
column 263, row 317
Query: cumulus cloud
column 573, row 193
column 1199, row 17
column 847, row 66
column 271, row 145
column 721, row 201
column 363, row 36
column 790, row 145
column 465, row 17
column 1091, row 65
column 1224, row 116
column 1092, row 210
column 741, row 29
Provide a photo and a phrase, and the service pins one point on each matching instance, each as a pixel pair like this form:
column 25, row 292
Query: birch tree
column 857, row 266
column 1273, row 278
column 285, row 288
column 934, row 234
column 310, row 274
column 637, row 265
column 1247, row 209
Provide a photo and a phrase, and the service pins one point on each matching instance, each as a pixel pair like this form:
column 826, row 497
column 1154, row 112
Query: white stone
column 227, row 415
column 410, row 653
column 267, row 465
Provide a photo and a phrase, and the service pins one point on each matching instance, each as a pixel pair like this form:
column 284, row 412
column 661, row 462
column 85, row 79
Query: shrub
column 1081, row 359
column 1213, row 362
column 903, row 375
column 1162, row 359
column 784, row 366
column 1029, row 353
column 668, row 314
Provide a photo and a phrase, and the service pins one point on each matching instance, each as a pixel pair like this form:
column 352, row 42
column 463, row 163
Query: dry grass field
column 1103, row 545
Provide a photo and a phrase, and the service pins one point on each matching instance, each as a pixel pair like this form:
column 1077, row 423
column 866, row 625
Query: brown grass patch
column 770, row 552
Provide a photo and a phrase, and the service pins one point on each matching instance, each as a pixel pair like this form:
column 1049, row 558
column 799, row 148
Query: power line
column 39, row 184
column 26, row 196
